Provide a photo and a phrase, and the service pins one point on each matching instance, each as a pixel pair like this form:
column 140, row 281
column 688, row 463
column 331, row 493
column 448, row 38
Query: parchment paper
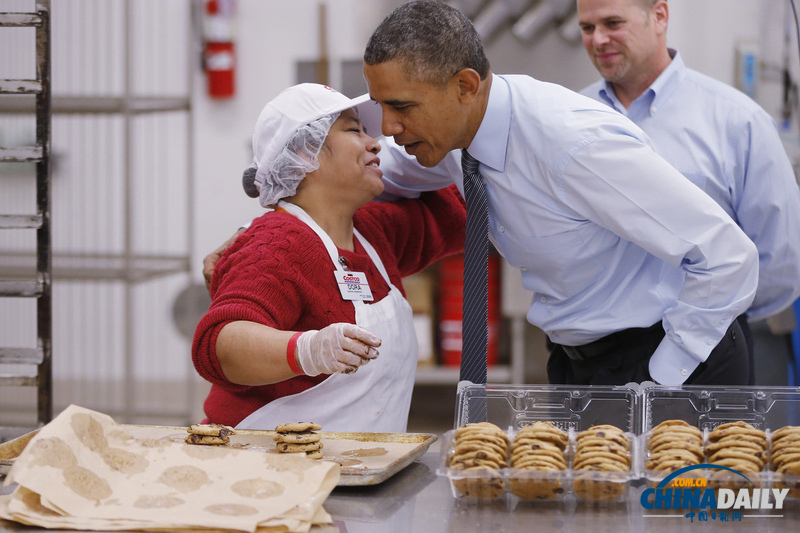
column 85, row 471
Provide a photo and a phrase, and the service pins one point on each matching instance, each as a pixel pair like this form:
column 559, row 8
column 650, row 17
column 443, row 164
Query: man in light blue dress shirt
column 716, row 136
column 637, row 274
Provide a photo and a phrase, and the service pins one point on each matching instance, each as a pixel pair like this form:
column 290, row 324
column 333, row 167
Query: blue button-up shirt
column 728, row 146
column 606, row 233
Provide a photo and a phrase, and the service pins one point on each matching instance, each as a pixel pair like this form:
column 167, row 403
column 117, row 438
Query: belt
column 610, row 343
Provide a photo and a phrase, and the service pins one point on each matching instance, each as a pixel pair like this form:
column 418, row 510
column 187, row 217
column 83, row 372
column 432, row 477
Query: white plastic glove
column 340, row 347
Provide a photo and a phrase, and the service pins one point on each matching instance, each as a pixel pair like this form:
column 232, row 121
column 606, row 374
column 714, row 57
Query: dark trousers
column 623, row 357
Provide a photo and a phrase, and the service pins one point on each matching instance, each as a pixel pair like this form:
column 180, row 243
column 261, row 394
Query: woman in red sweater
column 308, row 321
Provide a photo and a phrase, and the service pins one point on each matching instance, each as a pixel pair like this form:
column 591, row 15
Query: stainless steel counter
column 416, row 500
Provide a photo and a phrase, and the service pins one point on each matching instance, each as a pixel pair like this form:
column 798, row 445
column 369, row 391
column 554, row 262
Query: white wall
column 706, row 32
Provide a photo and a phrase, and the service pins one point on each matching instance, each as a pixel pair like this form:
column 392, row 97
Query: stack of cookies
column 538, row 447
column 209, row 434
column 480, row 448
column 603, row 448
column 785, row 457
column 674, row 444
column 737, row 445
column 299, row 437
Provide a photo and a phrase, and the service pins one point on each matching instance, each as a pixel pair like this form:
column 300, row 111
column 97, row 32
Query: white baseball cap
column 293, row 109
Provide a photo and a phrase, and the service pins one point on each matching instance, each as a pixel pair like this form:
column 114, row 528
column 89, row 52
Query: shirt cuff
column 671, row 365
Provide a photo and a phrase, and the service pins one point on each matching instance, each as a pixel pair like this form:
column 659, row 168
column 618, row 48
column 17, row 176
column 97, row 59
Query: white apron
column 376, row 398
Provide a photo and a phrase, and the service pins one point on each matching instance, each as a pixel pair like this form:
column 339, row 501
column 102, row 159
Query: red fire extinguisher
column 219, row 53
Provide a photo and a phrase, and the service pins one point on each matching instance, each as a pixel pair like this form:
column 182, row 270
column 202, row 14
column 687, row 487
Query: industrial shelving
column 18, row 361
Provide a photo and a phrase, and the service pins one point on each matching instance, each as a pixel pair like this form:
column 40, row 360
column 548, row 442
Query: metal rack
column 38, row 286
column 122, row 171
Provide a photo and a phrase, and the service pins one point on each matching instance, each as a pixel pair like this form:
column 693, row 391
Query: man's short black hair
column 434, row 40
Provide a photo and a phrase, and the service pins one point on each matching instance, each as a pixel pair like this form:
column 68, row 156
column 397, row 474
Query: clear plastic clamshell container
column 572, row 409
column 706, row 407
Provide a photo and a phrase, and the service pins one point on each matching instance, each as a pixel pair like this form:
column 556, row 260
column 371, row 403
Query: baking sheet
column 378, row 503
column 364, row 458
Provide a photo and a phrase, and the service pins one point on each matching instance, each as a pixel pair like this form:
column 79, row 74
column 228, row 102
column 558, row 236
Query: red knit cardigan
column 278, row 273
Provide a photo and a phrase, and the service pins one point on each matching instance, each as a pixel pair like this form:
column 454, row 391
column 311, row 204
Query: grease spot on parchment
column 158, row 502
column 231, row 509
column 124, row 461
column 185, row 478
column 90, row 432
column 56, row 453
column 86, row 483
column 366, row 452
column 257, row 488
column 287, row 463
column 347, row 462
column 120, row 435
column 53, row 452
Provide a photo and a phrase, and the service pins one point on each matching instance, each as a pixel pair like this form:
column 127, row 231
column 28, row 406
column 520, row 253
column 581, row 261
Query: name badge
column 353, row 285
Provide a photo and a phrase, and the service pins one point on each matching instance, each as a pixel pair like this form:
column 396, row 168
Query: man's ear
column 661, row 14
column 469, row 83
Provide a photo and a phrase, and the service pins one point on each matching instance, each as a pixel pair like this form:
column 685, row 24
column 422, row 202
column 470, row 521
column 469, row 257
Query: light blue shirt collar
column 490, row 142
column 656, row 95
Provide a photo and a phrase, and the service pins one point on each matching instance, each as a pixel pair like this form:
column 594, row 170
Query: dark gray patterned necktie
column 475, row 326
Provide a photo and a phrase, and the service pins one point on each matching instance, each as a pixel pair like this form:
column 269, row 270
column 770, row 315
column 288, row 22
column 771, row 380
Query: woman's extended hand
column 340, row 347
column 210, row 261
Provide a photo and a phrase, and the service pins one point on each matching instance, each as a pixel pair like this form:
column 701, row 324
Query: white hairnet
column 290, row 132
column 298, row 158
